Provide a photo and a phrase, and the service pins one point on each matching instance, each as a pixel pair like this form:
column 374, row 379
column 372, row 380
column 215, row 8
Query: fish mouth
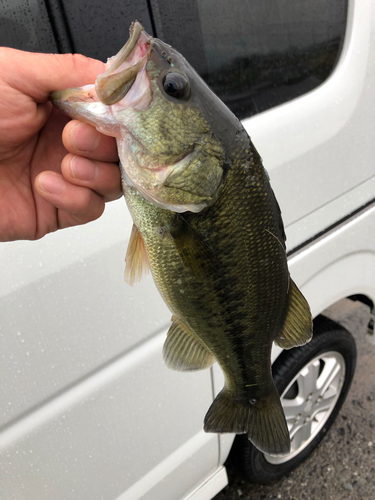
column 115, row 83
column 112, row 86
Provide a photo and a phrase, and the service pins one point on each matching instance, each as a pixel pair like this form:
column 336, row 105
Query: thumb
column 37, row 75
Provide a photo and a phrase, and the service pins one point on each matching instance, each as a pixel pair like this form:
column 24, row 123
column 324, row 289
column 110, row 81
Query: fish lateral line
column 282, row 246
column 284, row 251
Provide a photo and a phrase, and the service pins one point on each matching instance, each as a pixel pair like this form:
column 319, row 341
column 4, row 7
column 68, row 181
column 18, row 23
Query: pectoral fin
column 137, row 264
column 183, row 351
column 297, row 327
column 193, row 251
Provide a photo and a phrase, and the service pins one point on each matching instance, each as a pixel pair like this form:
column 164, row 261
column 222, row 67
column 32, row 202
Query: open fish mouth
column 112, row 86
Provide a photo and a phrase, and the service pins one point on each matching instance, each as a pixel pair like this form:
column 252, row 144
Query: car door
column 88, row 409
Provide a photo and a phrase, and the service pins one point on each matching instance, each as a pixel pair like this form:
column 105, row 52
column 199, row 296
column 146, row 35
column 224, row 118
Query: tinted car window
column 256, row 54
column 98, row 28
column 24, row 24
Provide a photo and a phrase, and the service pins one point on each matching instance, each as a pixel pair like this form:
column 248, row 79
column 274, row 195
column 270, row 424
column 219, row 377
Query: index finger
column 82, row 139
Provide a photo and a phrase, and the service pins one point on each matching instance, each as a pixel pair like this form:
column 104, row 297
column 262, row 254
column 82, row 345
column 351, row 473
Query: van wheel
column 313, row 382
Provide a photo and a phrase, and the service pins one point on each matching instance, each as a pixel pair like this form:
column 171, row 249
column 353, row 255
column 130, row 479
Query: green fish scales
column 233, row 293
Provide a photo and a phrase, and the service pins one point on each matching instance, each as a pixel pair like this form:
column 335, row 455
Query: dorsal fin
column 183, row 351
column 136, row 258
column 297, row 327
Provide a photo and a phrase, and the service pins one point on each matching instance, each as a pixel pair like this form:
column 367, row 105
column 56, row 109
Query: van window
column 256, row 54
column 24, row 24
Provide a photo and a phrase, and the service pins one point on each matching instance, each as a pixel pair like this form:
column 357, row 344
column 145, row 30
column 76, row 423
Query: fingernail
column 84, row 138
column 83, row 169
column 52, row 184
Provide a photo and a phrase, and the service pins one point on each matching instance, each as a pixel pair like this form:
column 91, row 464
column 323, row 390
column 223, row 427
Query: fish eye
column 176, row 85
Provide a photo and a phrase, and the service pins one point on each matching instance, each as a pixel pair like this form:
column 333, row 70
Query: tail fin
column 263, row 420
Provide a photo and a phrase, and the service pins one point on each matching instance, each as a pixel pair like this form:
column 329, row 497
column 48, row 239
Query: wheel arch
column 351, row 275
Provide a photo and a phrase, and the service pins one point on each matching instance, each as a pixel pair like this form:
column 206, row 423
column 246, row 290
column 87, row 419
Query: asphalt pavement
column 342, row 467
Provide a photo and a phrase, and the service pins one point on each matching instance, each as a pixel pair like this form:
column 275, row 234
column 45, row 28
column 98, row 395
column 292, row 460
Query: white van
column 88, row 410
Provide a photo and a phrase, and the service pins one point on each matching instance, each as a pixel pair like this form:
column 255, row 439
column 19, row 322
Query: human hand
column 42, row 188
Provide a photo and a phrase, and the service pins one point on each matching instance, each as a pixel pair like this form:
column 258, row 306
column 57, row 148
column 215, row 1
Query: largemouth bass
column 207, row 223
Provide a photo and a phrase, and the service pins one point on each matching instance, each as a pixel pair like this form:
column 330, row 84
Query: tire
column 331, row 354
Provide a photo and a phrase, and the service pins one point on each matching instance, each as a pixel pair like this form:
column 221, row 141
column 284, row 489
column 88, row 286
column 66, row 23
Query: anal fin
column 297, row 327
column 137, row 263
column 183, row 351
